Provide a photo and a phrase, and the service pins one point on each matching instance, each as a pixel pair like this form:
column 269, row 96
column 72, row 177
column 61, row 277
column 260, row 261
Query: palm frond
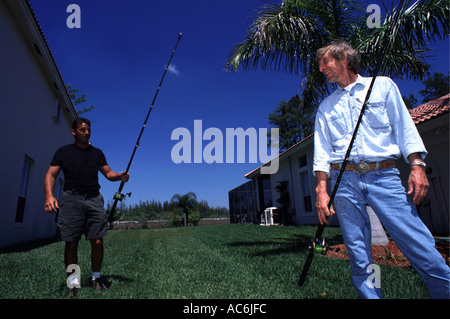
column 283, row 37
column 419, row 24
column 426, row 20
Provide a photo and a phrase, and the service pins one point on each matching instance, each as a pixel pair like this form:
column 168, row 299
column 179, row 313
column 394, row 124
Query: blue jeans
column 384, row 192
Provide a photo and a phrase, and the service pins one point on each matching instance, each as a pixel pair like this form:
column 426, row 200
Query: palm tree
column 187, row 202
column 285, row 37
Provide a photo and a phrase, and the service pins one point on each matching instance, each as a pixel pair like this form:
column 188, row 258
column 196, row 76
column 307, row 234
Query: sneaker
column 98, row 284
column 74, row 292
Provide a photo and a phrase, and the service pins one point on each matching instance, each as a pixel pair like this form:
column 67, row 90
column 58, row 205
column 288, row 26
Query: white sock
column 95, row 275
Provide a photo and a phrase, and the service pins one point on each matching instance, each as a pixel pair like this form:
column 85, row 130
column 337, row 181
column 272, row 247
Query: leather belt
column 86, row 194
column 364, row 168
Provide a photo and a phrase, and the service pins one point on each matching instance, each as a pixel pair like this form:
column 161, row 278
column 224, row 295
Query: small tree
column 187, row 202
column 435, row 87
column 78, row 100
column 295, row 121
column 176, row 218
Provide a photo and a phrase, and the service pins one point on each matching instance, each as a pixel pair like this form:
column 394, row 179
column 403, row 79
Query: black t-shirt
column 80, row 167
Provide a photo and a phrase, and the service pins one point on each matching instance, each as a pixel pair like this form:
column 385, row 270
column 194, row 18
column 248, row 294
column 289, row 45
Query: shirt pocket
column 338, row 126
column 376, row 115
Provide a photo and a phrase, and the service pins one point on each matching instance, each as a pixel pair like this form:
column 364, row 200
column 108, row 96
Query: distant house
column 37, row 114
column 295, row 168
column 432, row 121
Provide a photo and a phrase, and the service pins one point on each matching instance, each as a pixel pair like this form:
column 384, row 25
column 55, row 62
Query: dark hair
column 80, row 120
column 337, row 50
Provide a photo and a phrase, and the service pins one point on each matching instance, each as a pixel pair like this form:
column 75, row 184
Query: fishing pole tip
column 180, row 35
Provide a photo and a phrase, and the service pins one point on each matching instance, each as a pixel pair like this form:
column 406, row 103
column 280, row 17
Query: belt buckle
column 361, row 168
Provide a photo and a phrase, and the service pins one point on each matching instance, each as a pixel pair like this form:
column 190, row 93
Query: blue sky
column 117, row 59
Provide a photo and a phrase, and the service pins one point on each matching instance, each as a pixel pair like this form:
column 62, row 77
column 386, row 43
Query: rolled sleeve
column 406, row 134
column 322, row 146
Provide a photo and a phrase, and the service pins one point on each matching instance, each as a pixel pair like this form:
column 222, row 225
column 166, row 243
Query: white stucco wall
column 28, row 100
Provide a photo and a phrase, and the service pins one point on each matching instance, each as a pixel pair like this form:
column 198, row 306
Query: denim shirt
column 386, row 132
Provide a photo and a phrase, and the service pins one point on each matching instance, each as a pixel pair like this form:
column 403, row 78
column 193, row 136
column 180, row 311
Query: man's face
column 332, row 68
column 82, row 133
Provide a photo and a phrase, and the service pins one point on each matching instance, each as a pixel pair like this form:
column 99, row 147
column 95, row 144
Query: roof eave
column 26, row 18
column 303, row 143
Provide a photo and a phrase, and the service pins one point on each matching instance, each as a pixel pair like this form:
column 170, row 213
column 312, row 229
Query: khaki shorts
column 80, row 214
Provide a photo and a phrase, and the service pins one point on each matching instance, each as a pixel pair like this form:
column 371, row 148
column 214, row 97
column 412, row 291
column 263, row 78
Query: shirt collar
column 359, row 81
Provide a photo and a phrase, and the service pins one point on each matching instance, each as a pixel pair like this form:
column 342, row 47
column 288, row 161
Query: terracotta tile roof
column 430, row 109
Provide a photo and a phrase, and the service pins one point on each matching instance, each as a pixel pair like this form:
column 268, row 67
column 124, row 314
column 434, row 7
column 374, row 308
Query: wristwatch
column 419, row 163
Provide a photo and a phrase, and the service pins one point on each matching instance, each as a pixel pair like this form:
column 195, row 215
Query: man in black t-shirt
column 81, row 209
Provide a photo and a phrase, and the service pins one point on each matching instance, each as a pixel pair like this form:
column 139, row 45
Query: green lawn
column 220, row 262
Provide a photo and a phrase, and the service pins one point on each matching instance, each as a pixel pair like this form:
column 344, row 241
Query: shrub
column 194, row 218
column 175, row 219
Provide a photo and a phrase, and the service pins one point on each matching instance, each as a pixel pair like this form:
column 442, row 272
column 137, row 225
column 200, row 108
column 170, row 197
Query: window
column 305, row 184
column 302, row 162
column 306, row 190
column 56, row 117
column 242, row 203
column 266, row 191
column 24, row 182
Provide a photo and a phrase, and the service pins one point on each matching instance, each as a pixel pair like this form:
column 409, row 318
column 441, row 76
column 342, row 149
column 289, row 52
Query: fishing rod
column 118, row 196
column 318, row 244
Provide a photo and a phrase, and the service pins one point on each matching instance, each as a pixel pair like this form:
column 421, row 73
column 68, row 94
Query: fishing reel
column 318, row 245
column 120, row 196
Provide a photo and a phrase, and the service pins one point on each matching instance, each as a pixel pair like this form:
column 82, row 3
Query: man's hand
column 418, row 181
column 113, row 176
column 124, row 177
column 322, row 198
column 51, row 205
column 418, row 184
column 323, row 212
